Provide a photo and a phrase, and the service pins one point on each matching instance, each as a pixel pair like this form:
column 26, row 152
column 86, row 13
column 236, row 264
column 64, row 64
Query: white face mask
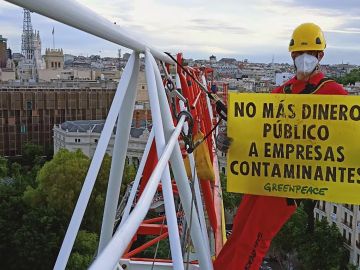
column 306, row 63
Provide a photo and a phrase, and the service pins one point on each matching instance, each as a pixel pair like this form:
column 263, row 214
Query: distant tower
column 27, row 67
column 37, row 50
column 27, row 45
column 54, row 59
column 212, row 59
column 3, row 52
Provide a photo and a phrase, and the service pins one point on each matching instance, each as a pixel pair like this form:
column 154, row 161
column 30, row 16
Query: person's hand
column 223, row 142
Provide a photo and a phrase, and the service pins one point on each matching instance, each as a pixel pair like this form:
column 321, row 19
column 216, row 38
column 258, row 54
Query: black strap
column 309, row 88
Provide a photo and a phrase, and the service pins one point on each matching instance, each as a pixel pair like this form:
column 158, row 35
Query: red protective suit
column 259, row 218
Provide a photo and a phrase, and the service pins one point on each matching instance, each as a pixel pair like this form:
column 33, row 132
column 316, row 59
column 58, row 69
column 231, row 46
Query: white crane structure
column 114, row 242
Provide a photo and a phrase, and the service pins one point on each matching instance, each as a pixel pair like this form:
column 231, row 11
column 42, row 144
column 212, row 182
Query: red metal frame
column 211, row 192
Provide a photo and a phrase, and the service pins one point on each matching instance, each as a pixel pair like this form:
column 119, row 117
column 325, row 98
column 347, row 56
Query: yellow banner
column 295, row 146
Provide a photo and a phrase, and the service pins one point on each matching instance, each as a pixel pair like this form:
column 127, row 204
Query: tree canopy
column 351, row 78
column 36, row 204
column 320, row 248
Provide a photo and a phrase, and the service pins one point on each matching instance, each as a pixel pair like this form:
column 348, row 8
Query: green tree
column 36, row 206
column 39, row 238
column 128, row 176
column 350, row 78
column 292, row 233
column 84, row 250
column 290, row 237
column 161, row 249
column 15, row 170
column 3, row 167
column 322, row 249
column 230, row 200
column 11, row 210
column 319, row 248
column 32, row 154
column 59, row 183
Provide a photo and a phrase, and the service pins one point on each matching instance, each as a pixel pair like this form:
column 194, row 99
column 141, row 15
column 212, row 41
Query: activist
column 259, row 218
column 307, row 46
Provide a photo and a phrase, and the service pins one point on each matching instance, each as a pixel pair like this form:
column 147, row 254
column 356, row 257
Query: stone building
column 84, row 135
column 54, row 59
column 347, row 218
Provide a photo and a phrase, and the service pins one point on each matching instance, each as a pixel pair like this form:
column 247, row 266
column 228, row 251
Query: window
column 28, row 105
column 334, row 209
column 349, row 238
column 96, row 140
column 77, row 140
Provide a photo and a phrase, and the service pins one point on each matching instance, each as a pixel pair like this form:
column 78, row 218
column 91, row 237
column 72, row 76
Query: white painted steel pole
column 208, row 102
column 138, row 176
column 73, row 13
column 94, row 168
column 111, row 254
column 199, row 202
column 218, row 203
column 178, row 168
column 118, row 157
column 170, row 211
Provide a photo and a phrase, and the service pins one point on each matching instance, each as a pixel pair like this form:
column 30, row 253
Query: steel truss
column 164, row 137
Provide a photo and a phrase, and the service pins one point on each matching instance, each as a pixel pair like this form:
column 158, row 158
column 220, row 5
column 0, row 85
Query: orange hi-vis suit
column 259, row 218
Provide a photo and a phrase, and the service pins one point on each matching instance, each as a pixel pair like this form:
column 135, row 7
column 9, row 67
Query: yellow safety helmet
column 307, row 37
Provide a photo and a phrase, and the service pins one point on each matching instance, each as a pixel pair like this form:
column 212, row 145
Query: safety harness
column 309, row 88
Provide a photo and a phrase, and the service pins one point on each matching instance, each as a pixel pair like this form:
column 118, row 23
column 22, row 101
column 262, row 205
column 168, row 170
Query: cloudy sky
column 257, row 30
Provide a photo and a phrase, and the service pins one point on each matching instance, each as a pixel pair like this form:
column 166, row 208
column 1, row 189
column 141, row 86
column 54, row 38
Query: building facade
column 282, row 77
column 347, row 218
column 84, row 135
column 29, row 114
column 54, row 59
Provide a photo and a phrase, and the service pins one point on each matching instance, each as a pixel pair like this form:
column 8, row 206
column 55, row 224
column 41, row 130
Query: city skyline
column 230, row 29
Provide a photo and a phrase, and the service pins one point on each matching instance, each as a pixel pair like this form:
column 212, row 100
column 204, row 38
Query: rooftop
column 95, row 126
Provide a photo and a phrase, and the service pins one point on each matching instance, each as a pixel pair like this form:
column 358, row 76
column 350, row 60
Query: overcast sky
column 257, row 30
